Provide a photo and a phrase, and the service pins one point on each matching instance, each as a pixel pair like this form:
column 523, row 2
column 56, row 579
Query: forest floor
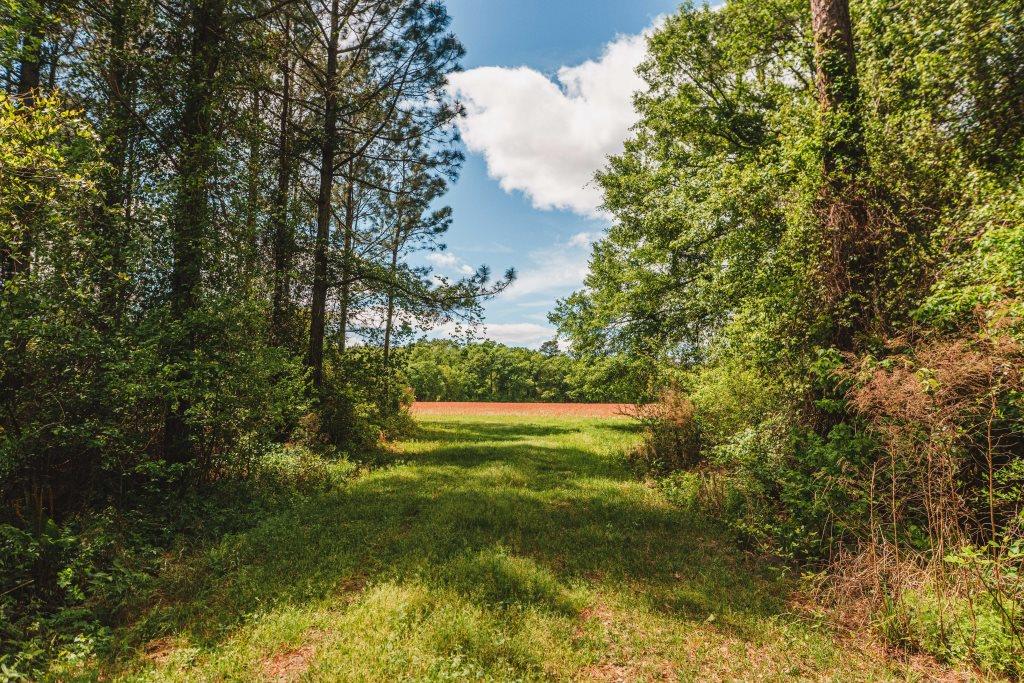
column 496, row 548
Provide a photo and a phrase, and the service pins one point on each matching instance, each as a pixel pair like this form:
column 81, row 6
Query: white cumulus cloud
column 582, row 239
column 547, row 137
column 519, row 334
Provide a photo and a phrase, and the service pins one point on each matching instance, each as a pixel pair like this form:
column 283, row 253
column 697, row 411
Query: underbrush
column 66, row 587
column 898, row 484
column 966, row 608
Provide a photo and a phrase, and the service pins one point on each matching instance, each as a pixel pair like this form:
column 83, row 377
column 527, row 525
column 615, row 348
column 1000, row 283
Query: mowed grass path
column 500, row 549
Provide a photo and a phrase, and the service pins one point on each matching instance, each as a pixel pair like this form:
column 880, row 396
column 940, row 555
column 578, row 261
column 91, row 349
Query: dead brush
column 672, row 441
column 944, row 520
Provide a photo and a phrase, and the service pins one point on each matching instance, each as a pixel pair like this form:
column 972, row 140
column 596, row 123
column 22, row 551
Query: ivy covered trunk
column 848, row 247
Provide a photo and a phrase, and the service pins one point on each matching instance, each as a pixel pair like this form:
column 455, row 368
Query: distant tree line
column 443, row 370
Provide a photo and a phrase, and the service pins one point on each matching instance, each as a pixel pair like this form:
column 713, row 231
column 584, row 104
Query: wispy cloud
column 548, row 137
column 555, row 270
column 530, row 335
column 448, row 261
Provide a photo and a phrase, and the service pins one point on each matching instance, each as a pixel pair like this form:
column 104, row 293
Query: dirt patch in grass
column 601, row 614
column 541, row 409
column 619, row 673
column 288, row 665
column 607, row 672
column 159, row 651
column 352, row 586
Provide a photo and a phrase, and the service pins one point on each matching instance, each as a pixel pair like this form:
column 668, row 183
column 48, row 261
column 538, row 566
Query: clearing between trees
column 494, row 548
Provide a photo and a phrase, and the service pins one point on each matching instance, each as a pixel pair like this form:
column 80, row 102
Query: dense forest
column 444, row 370
column 202, row 203
column 210, row 216
column 820, row 221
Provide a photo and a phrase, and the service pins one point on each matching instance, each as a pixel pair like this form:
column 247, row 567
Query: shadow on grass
column 486, row 431
column 507, row 525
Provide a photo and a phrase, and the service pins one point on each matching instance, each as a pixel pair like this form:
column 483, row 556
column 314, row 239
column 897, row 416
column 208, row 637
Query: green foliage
column 815, row 371
column 971, row 631
column 363, row 401
column 987, row 274
column 241, row 393
column 444, row 370
column 789, row 492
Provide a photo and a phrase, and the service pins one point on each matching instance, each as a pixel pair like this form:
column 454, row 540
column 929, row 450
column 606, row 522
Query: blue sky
column 548, row 85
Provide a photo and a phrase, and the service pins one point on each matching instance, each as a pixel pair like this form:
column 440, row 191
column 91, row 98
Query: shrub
column 297, row 470
column 672, row 441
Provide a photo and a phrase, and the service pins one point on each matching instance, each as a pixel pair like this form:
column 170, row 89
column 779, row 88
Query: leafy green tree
column 814, row 223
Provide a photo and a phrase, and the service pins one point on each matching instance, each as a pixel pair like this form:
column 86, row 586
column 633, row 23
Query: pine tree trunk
column 117, row 136
column 283, row 237
column 346, row 262
column 252, row 192
column 389, row 325
column 328, row 149
column 30, row 66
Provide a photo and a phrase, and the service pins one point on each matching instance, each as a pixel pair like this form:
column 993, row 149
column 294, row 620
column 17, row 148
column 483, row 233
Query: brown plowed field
column 538, row 409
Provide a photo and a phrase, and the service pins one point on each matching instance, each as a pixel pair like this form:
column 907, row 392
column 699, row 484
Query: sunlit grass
column 498, row 549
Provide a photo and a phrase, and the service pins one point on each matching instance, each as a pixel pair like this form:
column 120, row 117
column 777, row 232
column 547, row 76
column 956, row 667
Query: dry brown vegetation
column 938, row 409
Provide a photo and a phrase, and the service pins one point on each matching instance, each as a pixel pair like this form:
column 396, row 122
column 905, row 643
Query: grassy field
column 498, row 549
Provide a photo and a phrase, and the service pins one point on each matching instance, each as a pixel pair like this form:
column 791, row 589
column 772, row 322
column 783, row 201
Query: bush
column 63, row 588
column 672, row 441
column 297, row 470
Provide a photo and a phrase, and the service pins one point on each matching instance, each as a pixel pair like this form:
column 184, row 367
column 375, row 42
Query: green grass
column 497, row 549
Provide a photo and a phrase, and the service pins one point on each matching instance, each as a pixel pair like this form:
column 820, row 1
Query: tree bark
column 328, row 150
column 283, row 237
column 838, row 89
column 252, row 192
column 118, row 132
column 346, row 257
column 848, row 254
column 389, row 324
column 29, row 68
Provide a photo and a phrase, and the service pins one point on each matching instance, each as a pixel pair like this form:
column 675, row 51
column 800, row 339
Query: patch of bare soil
column 288, row 665
column 159, row 651
column 601, row 614
column 622, row 673
column 612, row 673
column 352, row 585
